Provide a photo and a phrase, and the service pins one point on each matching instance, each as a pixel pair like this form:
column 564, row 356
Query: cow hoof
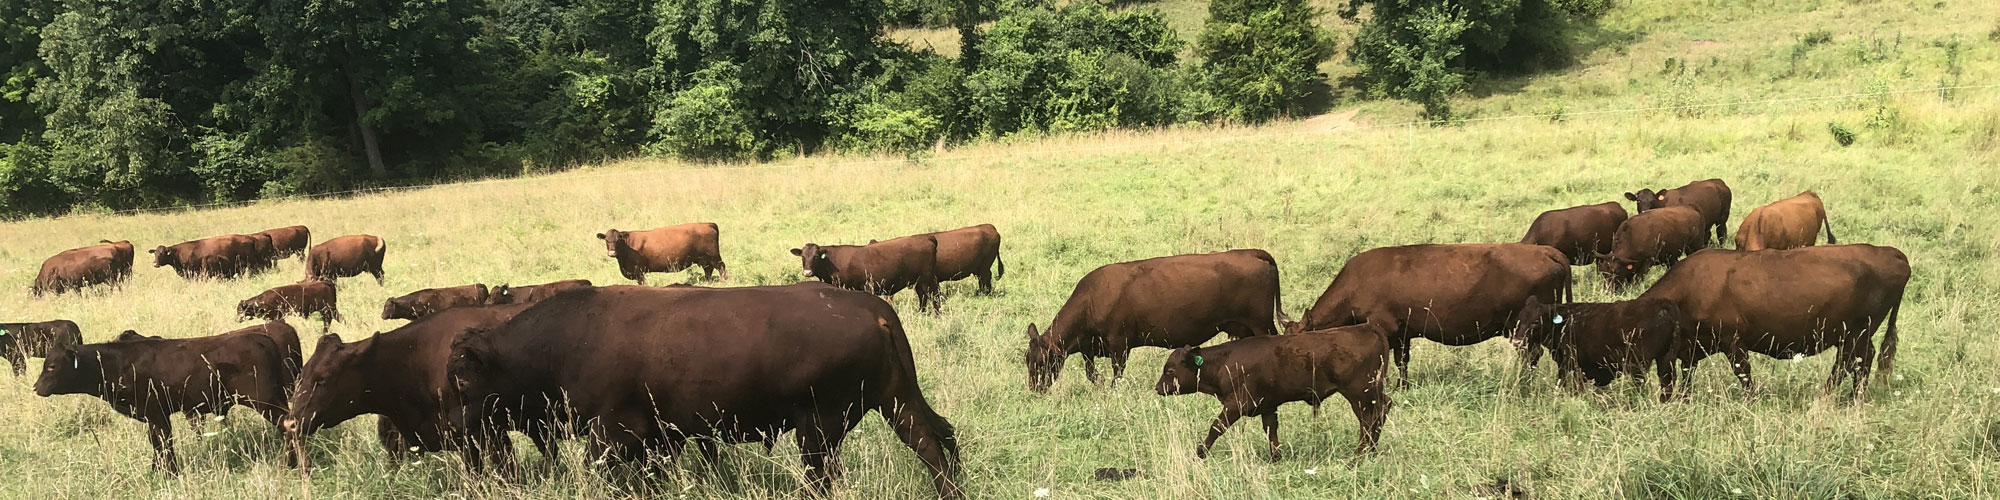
column 1276, row 456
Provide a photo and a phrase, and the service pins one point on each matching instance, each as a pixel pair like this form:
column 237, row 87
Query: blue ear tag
column 1559, row 319
column 1197, row 360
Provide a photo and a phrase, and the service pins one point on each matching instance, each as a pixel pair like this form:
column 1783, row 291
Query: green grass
column 1921, row 176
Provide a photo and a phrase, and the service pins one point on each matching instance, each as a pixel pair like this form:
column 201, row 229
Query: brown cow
column 1788, row 223
column 1789, row 303
column 1254, row 376
column 529, row 294
column 881, row 268
column 1710, row 197
column 1452, row 294
column 1171, row 302
column 226, row 256
column 18, row 341
column 969, row 251
column 666, row 250
column 1579, row 232
column 76, row 268
column 288, row 241
column 152, row 379
column 287, row 339
column 1600, row 340
column 346, row 256
column 303, row 298
column 1655, row 237
column 429, row 301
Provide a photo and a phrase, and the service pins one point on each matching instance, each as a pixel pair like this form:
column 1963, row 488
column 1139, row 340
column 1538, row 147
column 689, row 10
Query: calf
column 1599, row 340
column 969, row 251
column 151, row 379
column 881, row 268
column 303, row 298
column 18, row 341
column 1579, row 232
column 666, row 250
column 1253, row 376
column 346, row 256
column 431, row 300
column 1710, row 197
column 77, row 268
column 226, row 256
column 530, row 294
column 288, row 241
column 1656, row 237
column 1788, row 223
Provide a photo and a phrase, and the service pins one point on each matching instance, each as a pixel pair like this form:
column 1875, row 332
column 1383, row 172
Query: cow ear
column 1033, row 334
column 796, row 251
column 1194, row 357
column 1630, row 196
column 600, row 236
column 328, row 342
column 872, row 241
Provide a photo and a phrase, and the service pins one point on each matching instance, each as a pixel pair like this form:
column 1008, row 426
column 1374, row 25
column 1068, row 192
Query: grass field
column 1923, row 175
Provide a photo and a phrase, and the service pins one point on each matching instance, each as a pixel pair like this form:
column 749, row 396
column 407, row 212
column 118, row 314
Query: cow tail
column 906, row 406
column 1828, row 222
column 1002, row 263
column 1277, row 292
column 1885, row 359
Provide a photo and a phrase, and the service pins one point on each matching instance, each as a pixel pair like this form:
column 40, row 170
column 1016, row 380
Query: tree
column 1425, row 50
column 21, row 22
column 1261, row 57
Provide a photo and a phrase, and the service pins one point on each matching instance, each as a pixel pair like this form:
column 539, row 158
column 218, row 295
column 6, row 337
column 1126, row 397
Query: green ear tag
column 1559, row 319
column 3, row 332
column 73, row 363
column 1197, row 360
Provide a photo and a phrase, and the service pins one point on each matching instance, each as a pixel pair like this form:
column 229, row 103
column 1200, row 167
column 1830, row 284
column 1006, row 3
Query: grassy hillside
column 1921, row 176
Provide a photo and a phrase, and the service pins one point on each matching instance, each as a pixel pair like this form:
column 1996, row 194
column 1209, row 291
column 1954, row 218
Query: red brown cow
column 288, row 241
column 303, row 298
column 881, row 268
column 1252, row 377
column 346, row 256
column 969, row 251
column 1601, row 340
column 1579, row 232
column 1710, row 197
column 1787, row 303
column 666, row 250
column 529, row 294
column 152, row 379
column 18, row 341
column 1655, row 237
column 1788, row 223
column 74, row 269
column 431, row 300
column 1452, row 294
column 226, row 256
column 1171, row 302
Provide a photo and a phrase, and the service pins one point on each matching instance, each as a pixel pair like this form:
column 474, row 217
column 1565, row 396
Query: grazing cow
column 397, row 374
column 1452, row 294
column 1579, row 232
column 1787, row 303
column 666, row 250
column 1599, row 340
column 1788, row 223
column 429, row 301
column 1171, row 302
column 226, row 256
column 969, row 251
column 346, row 256
column 881, row 268
column 73, row 269
column 152, row 379
column 287, row 339
column 1710, row 197
column 1655, row 237
column 288, row 241
column 644, row 369
column 303, row 298
column 530, row 294
column 1254, row 376
column 18, row 341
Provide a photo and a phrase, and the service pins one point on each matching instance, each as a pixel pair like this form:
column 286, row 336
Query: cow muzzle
column 808, row 273
column 611, row 254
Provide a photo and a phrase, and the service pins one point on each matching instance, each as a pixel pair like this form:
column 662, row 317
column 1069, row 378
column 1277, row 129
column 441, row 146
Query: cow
column 1171, row 302
column 1710, row 197
column 398, row 375
column 19, row 341
column 1788, row 223
column 881, row 268
column 226, row 256
column 666, row 250
column 303, row 298
column 1655, row 237
column 73, row 269
column 1790, row 303
column 149, row 380
column 528, row 294
column 644, row 369
column 1252, row 377
column 280, row 332
column 1579, row 232
column 1600, row 340
column 429, row 301
column 1451, row 294
column 346, row 256
column 288, row 241
column 969, row 251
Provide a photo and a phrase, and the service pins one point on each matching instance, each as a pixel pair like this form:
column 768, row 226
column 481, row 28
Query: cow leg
column 1841, row 366
column 161, row 434
column 1371, row 408
column 1118, row 356
column 819, row 437
column 1271, row 430
column 1862, row 363
column 1090, row 370
column 1402, row 348
column 918, row 426
column 1739, row 361
column 15, row 359
column 1663, row 367
column 985, row 281
column 392, row 440
column 1215, row 430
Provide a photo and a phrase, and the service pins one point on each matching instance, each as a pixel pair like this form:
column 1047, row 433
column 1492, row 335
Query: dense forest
column 110, row 105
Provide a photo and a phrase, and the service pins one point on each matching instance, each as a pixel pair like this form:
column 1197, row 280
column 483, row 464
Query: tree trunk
column 368, row 140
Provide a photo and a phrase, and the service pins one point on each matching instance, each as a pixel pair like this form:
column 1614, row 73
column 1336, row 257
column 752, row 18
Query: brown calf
column 303, row 298
column 1254, row 376
column 346, row 256
column 431, row 300
column 1600, row 340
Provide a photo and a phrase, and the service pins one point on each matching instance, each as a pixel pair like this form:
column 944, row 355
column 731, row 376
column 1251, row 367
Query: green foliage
column 1080, row 66
column 918, row 102
column 709, row 119
column 923, row 13
column 228, row 167
column 1412, row 59
column 1261, row 57
column 1841, row 134
column 1425, row 50
column 21, row 22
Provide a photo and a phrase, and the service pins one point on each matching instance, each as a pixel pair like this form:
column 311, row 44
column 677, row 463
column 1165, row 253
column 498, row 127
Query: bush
column 1077, row 67
column 917, row 102
column 707, row 121
column 1261, row 58
column 1424, row 50
column 1412, row 60
column 25, row 188
column 229, row 171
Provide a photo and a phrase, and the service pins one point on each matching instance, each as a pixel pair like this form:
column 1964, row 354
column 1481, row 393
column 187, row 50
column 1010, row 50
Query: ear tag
column 1663, row 197
column 822, row 254
column 3, row 332
column 1559, row 319
column 1628, row 266
column 74, row 363
column 1197, row 360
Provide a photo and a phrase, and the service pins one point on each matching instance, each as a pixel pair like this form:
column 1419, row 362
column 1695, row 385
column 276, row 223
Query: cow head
column 1648, row 199
column 812, row 261
column 329, row 384
column 1182, row 375
column 500, row 295
column 1537, row 323
column 71, row 371
column 163, row 256
column 256, row 308
column 1617, row 271
column 1044, row 359
column 613, row 239
column 398, row 308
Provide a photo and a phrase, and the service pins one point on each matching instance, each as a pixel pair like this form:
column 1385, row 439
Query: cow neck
column 1063, row 330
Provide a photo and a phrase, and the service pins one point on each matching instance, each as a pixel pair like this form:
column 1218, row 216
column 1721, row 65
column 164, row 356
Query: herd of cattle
column 639, row 370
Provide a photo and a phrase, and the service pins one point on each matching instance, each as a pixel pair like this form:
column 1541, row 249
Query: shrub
column 917, row 102
column 228, row 169
column 708, row 121
column 1076, row 67
column 1841, row 134
column 25, row 188
column 1424, row 50
column 1261, row 58
column 1412, row 58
